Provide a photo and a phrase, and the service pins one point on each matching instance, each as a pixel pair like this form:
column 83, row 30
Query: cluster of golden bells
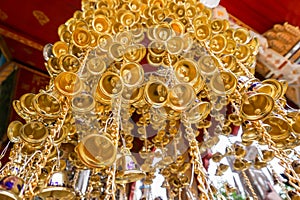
column 133, row 81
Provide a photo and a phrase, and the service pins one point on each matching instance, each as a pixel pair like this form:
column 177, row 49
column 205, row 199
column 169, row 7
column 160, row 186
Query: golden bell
column 268, row 89
column 11, row 188
column 127, row 18
column 239, row 151
column 132, row 74
column 223, row 82
column 135, row 53
column 200, row 20
column 257, row 106
column 116, row 51
column 202, row 32
column 58, row 187
column 101, row 24
column 96, row 151
column 175, row 45
column 181, row 97
column 132, row 95
column 218, row 43
column 105, row 41
column 125, row 38
column 59, row 48
column 229, row 188
column 259, row 163
column 217, row 157
column 254, row 45
column 81, row 37
column 34, row 133
column 127, row 168
column 110, row 84
column 230, row 47
column 52, row 66
column 95, row 66
column 26, row 103
column 249, row 134
column 199, row 112
column 94, row 38
column 69, row 63
column 229, row 62
column 156, row 93
column 241, row 164
column 207, row 65
column 83, row 103
column 221, row 169
column 186, row 71
column 280, row 128
column 217, row 25
column 228, row 151
column 274, row 88
column 68, row 83
column 154, row 60
column 242, row 52
column 177, row 27
column 162, row 32
column 268, row 155
column 137, row 30
column 47, row 105
column 241, row 35
column 13, row 131
column 157, row 48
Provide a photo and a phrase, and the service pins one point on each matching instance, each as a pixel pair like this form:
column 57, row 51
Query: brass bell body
column 128, row 170
column 11, row 187
column 58, row 187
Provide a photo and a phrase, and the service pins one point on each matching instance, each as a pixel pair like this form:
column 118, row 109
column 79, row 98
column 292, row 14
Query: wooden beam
column 15, row 36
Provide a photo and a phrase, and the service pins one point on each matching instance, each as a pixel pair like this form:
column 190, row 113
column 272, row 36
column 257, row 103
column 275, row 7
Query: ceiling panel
column 261, row 15
column 29, row 25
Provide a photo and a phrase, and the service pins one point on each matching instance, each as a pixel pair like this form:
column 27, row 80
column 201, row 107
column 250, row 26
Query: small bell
column 10, row 188
column 127, row 169
column 58, row 187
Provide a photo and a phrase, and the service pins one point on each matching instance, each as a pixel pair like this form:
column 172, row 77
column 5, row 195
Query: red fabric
column 262, row 15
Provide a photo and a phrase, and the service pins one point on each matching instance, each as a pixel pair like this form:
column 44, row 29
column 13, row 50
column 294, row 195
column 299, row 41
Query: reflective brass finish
column 257, row 106
column 96, row 151
column 59, row 48
column 34, row 133
column 127, row 169
column 280, row 129
column 186, row 71
column 13, row 131
column 181, row 96
column 83, row 103
column 161, row 79
column 47, row 105
column 110, row 84
column 68, row 83
column 156, row 93
column 132, row 74
column 81, row 37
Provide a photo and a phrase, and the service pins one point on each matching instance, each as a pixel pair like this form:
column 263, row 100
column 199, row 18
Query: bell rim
column 9, row 194
column 51, row 189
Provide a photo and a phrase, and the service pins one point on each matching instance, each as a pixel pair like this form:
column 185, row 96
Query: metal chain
column 247, row 181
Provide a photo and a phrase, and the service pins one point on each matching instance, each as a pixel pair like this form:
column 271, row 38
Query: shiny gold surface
column 141, row 88
column 257, row 106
